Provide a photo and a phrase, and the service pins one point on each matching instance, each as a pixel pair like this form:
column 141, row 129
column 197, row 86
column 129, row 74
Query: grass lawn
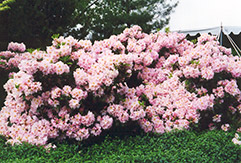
column 179, row 146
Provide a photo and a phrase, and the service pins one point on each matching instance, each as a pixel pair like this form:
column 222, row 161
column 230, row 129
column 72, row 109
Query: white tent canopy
column 206, row 16
column 227, row 30
column 228, row 36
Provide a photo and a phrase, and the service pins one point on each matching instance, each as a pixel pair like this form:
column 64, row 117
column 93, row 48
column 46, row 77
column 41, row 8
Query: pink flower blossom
column 82, row 134
column 217, row 118
column 225, row 127
column 88, row 119
column 232, row 88
column 16, row 47
column 74, row 103
column 106, row 122
column 96, row 130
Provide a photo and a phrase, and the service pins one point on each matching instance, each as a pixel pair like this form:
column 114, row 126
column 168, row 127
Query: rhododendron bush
column 160, row 81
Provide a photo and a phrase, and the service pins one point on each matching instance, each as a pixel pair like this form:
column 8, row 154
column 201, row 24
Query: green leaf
column 142, row 103
column 167, row 30
column 30, row 50
column 2, row 57
column 2, row 63
column 194, row 41
column 194, row 62
column 17, row 86
column 55, row 36
column 65, row 59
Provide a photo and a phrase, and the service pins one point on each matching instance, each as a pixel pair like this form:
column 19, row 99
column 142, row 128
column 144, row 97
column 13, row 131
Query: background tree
column 34, row 22
column 112, row 17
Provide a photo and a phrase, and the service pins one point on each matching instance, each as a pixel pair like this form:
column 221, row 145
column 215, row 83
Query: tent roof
column 215, row 30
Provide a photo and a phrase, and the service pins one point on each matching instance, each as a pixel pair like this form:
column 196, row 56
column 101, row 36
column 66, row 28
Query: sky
column 199, row 14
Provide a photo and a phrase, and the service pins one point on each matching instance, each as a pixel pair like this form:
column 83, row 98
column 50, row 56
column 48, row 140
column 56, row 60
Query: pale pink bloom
column 158, row 125
column 219, row 65
column 106, row 122
column 77, row 93
column 60, row 68
column 88, row 119
column 233, row 110
column 160, row 110
column 205, row 38
column 46, row 67
column 150, row 111
column 110, row 99
column 115, row 110
column 172, row 59
column 28, row 66
column 236, row 141
column 184, row 60
column 239, row 108
column 35, row 103
column 146, row 125
column 74, row 103
column 219, row 92
column 211, row 126
column 232, row 88
column 50, row 113
column 13, row 142
column 136, row 115
column 82, row 134
column 63, row 112
column 124, row 117
column 147, row 60
column 66, row 90
column 53, row 103
column 96, row 130
column 207, row 73
column 50, row 146
column 16, row 47
column 181, row 124
column 217, row 118
column 225, row 127
column 59, row 124
column 56, row 92
column 204, row 102
column 191, row 72
column 81, row 77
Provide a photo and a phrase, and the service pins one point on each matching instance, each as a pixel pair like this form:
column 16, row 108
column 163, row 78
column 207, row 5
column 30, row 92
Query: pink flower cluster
column 237, row 137
column 16, row 47
column 76, row 89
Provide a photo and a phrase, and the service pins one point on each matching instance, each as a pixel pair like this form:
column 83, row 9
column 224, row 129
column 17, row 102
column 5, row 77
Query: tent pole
column 221, row 35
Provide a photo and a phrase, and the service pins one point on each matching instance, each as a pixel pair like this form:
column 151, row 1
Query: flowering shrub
column 161, row 81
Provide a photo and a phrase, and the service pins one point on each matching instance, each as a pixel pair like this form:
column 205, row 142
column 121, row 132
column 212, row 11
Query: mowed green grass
column 178, row 146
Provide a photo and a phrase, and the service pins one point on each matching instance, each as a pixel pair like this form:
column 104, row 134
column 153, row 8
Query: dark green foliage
column 178, row 146
column 34, row 22
column 3, row 80
column 112, row 17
